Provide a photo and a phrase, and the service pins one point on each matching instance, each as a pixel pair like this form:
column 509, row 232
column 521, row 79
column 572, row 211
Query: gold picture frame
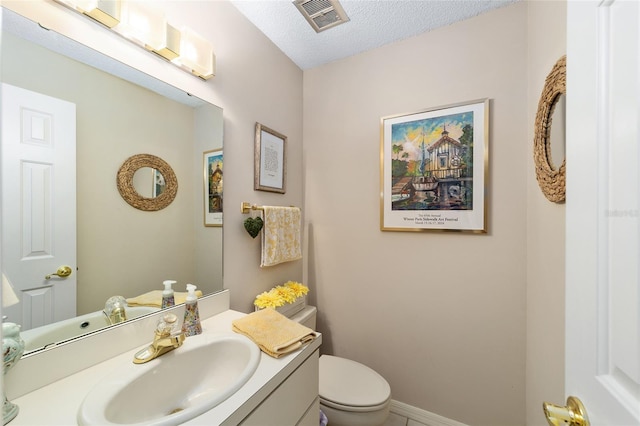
column 213, row 172
column 434, row 169
column 270, row 160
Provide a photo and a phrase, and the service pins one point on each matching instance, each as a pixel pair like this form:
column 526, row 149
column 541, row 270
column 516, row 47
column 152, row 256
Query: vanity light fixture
column 147, row 27
column 196, row 53
column 143, row 24
column 107, row 12
column 171, row 48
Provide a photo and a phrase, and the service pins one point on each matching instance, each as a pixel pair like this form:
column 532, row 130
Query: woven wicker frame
column 129, row 193
column 551, row 181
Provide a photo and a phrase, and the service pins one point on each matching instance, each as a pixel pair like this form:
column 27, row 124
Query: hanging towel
column 154, row 298
column 275, row 334
column 280, row 235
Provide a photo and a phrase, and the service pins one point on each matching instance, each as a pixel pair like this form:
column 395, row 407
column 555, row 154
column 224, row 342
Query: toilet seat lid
column 351, row 384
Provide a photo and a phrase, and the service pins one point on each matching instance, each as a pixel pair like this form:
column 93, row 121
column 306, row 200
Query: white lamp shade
column 106, row 12
column 196, row 53
column 143, row 24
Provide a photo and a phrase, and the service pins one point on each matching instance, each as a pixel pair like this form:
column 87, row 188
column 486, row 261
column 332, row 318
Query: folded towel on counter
column 154, row 298
column 275, row 334
column 281, row 235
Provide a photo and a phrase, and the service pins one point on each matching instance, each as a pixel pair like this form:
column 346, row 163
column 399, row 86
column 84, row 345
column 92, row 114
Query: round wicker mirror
column 128, row 191
column 551, row 180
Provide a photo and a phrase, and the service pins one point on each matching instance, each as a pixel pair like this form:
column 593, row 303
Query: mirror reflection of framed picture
column 270, row 166
column 213, row 187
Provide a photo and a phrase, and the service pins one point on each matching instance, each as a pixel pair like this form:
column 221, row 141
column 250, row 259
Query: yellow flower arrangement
column 281, row 295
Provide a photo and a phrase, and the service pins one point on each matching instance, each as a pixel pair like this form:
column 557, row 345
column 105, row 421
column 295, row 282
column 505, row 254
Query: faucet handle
column 114, row 309
column 114, row 302
column 167, row 325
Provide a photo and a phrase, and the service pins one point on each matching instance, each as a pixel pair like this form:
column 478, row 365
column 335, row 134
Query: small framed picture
column 270, row 168
column 213, row 187
column 434, row 168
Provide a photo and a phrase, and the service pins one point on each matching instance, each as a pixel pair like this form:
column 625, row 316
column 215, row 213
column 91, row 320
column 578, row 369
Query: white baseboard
column 421, row 416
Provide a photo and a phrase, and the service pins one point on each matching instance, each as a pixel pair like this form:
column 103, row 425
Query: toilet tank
column 306, row 317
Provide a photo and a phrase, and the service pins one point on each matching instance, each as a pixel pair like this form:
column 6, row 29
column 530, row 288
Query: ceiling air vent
column 322, row 14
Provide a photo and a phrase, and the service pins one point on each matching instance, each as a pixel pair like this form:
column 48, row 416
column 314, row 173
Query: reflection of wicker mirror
column 129, row 193
column 550, row 179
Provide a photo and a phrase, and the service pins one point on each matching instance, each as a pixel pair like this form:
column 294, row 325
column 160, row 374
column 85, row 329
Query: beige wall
column 545, row 228
column 256, row 82
column 440, row 315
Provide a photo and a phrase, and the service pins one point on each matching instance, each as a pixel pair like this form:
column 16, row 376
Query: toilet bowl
column 351, row 394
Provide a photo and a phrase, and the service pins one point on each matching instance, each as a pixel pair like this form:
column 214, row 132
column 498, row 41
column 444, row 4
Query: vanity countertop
column 58, row 403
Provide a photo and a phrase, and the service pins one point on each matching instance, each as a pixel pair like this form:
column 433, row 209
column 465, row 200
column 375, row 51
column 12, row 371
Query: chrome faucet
column 114, row 310
column 167, row 338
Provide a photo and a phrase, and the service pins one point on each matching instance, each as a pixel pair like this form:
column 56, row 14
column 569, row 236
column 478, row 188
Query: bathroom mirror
column 156, row 191
column 557, row 136
column 119, row 114
column 148, row 182
column 549, row 135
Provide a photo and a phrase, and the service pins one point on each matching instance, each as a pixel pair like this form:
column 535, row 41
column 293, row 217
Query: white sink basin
column 175, row 387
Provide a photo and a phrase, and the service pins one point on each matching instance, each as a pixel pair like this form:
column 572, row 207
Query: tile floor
column 397, row 420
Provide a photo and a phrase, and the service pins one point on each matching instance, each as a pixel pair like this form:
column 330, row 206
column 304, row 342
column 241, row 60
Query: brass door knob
column 62, row 272
column 573, row 414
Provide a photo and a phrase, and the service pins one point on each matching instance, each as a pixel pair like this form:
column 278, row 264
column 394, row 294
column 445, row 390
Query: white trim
column 421, row 416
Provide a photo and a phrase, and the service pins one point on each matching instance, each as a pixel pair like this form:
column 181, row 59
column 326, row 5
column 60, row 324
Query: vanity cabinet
column 294, row 402
column 281, row 392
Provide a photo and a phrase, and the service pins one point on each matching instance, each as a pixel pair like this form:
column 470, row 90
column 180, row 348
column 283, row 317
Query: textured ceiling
column 373, row 23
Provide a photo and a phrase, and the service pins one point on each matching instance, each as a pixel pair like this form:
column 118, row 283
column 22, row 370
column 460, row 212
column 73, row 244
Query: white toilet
column 351, row 394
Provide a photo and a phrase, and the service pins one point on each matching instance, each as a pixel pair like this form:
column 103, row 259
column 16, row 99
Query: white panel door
column 603, row 209
column 38, row 206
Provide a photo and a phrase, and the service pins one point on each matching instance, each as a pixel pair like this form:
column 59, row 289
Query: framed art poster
column 213, row 187
column 434, row 167
column 270, row 166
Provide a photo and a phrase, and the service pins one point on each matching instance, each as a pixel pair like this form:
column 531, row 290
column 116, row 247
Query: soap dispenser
column 191, row 325
column 168, row 299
